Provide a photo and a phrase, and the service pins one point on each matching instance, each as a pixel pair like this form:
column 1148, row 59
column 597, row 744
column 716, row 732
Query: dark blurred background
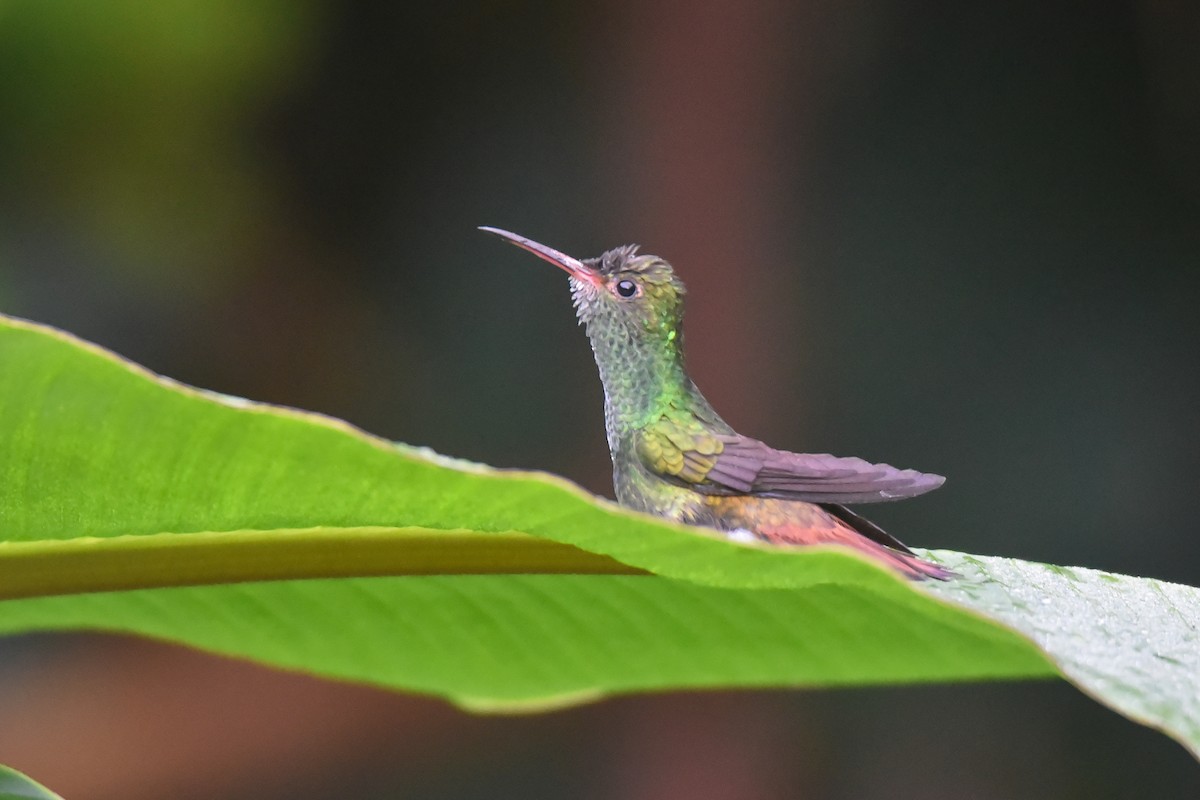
column 962, row 237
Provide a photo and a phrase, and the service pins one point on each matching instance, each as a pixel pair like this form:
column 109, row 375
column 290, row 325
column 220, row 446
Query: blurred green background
column 963, row 238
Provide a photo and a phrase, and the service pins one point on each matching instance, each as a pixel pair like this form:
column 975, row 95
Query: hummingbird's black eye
column 627, row 288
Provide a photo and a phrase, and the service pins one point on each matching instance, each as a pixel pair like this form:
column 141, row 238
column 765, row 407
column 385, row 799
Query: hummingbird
column 674, row 457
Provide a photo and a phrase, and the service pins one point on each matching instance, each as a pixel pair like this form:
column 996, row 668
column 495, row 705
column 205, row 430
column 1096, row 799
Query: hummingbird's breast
column 642, row 380
column 639, row 489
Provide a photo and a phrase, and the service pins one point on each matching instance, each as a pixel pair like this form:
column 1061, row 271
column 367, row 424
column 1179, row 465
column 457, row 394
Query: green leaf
column 15, row 786
column 131, row 503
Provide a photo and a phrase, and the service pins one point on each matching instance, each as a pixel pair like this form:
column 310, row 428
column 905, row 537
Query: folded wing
column 731, row 464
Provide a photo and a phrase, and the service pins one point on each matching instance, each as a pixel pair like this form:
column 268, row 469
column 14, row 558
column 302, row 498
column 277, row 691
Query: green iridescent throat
column 638, row 346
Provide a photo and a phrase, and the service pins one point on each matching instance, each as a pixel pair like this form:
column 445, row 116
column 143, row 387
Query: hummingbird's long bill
column 572, row 266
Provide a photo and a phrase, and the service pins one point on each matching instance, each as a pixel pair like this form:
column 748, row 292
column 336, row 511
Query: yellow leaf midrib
column 91, row 564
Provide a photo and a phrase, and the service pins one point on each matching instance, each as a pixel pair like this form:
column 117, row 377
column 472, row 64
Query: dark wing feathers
column 735, row 471
column 748, row 465
column 866, row 527
column 684, row 451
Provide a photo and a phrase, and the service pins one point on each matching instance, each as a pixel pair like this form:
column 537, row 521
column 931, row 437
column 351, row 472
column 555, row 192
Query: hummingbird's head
column 622, row 293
